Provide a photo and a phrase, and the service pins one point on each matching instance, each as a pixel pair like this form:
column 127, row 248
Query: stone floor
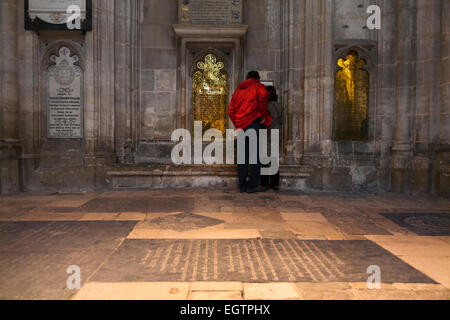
column 204, row 244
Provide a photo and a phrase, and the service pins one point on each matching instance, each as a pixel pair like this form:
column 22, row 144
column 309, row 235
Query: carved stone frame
column 52, row 48
column 198, row 52
column 206, row 38
column 366, row 50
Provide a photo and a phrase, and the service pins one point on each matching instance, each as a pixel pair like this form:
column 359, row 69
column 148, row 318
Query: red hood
column 248, row 83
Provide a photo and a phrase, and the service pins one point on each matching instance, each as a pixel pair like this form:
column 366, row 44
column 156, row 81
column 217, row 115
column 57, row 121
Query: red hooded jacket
column 249, row 103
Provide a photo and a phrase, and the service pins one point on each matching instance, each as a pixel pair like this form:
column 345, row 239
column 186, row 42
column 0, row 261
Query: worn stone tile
column 51, row 216
column 433, row 294
column 424, row 224
column 261, row 226
column 132, row 216
column 216, row 286
column 212, row 234
column 270, row 291
column 385, row 294
column 300, row 237
column 144, row 205
column 105, row 216
column 215, row 295
column 185, row 222
column 258, row 217
column 383, row 286
column 326, row 291
column 226, row 209
column 270, row 234
column 425, row 287
column 307, row 228
column 140, row 233
column 292, row 216
column 41, row 252
column 437, row 268
column 226, row 217
column 413, row 245
column 355, row 223
column 133, row 291
column 68, row 203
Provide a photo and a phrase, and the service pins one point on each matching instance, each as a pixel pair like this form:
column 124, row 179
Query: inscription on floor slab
column 423, row 224
column 254, row 260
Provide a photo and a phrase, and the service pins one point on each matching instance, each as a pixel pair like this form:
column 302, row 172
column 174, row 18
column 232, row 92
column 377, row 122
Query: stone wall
column 132, row 92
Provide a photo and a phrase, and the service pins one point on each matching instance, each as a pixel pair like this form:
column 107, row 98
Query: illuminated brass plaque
column 210, row 94
column 351, row 100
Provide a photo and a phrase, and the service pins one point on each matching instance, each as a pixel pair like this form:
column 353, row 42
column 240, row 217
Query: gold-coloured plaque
column 210, row 94
column 351, row 99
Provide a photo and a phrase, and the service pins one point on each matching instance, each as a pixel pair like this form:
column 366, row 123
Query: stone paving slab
column 254, row 260
column 423, row 224
column 34, row 256
column 143, row 205
column 355, row 223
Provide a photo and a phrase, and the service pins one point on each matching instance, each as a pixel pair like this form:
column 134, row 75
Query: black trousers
column 271, row 181
column 249, row 173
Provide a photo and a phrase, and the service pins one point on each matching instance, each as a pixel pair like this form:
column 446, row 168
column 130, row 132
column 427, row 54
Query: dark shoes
column 257, row 190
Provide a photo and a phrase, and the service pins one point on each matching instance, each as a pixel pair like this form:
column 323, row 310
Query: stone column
column 28, row 75
column 126, row 42
column 443, row 147
column 100, row 106
column 104, row 76
column 404, row 93
column 9, row 122
column 426, row 113
column 293, row 82
column 386, row 90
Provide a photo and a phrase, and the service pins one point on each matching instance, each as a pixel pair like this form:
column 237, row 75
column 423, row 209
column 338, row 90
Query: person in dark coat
column 275, row 111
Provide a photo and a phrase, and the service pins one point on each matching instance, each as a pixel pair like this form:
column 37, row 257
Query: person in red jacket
column 248, row 110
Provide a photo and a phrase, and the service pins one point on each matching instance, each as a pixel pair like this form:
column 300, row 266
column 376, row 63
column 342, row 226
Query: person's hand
column 263, row 121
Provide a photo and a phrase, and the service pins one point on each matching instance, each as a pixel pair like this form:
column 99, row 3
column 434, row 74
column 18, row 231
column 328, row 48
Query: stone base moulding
column 182, row 177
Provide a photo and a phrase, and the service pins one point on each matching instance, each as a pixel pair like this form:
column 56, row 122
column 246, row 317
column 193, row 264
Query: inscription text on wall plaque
column 64, row 105
column 210, row 11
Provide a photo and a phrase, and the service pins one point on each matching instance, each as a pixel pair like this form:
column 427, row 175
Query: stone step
column 196, row 176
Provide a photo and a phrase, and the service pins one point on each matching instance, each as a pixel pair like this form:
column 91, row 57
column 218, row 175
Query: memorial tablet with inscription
column 65, row 99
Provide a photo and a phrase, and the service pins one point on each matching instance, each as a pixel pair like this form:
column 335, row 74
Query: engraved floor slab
column 356, row 223
column 185, row 222
column 254, row 260
column 423, row 224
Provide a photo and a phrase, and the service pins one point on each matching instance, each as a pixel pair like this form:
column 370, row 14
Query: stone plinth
column 183, row 177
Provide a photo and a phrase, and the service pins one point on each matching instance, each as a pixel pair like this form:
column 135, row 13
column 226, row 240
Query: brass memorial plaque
column 351, row 100
column 210, row 94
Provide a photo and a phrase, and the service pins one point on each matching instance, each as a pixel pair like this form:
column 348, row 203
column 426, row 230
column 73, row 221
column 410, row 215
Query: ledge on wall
column 293, row 178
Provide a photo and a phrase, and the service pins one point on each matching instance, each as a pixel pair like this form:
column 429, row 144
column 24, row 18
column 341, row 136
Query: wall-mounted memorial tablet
column 215, row 12
column 65, row 98
column 58, row 15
